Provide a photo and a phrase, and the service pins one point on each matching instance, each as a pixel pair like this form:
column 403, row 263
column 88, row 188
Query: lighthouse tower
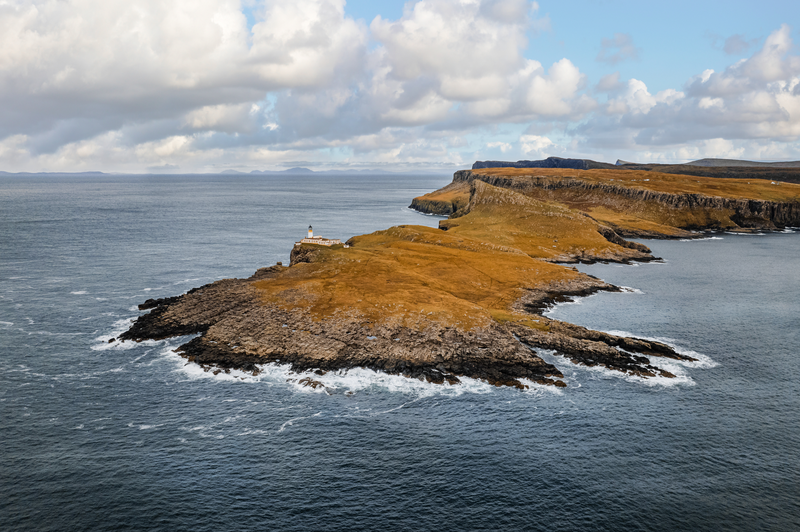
column 318, row 240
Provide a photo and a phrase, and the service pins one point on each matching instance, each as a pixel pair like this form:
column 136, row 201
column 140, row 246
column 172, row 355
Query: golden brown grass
column 546, row 230
column 464, row 277
column 407, row 275
column 470, row 275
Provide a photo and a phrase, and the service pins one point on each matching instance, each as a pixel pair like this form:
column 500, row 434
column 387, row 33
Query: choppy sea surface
column 116, row 437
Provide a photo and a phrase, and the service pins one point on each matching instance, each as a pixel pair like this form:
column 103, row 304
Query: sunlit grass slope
column 464, row 277
column 544, row 230
column 501, row 244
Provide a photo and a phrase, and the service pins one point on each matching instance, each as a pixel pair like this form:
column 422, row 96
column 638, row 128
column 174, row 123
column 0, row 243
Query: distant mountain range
column 52, row 173
column 305, row 171
column 289, row 171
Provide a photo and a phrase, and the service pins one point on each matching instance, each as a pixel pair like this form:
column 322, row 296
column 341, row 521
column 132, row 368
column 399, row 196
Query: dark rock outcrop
column 444, row 202
column 427, row 206
column 303, row 253
column 593, row 348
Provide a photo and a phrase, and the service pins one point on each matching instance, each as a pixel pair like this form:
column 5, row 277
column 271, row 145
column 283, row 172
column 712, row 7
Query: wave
column 575, row 373
column 343, row 382
column 704, row 238
column 118, row 327
column 186, row 281
column 291, row 421
column 443, row 217
column 145, row 427
column 703, row 361
column 49, row 333
column 630, row 290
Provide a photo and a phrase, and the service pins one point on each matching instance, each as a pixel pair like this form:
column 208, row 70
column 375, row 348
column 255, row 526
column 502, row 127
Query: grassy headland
column 465, row 299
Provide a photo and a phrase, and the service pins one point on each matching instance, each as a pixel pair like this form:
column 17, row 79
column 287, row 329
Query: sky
column 137, row 86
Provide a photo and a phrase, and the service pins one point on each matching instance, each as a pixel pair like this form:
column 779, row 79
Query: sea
column 99, row 436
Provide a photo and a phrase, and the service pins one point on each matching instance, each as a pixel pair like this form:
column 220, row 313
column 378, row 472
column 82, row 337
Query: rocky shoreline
column 236, row 331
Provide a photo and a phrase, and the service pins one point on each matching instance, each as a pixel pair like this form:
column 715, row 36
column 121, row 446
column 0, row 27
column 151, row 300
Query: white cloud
column 83, row 67
column 609, row 83
column 227, row 118
column 635, row 98
column 752, row 101
column 537, row 146
column 471, row 52
column 503, row 146
column 128, row 85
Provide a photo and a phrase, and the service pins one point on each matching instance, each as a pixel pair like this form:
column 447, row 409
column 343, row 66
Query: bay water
column 98, row 436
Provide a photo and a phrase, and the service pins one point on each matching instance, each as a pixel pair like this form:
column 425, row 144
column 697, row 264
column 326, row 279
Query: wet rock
column 311, row 383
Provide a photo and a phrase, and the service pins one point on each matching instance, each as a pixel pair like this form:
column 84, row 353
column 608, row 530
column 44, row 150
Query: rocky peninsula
column 465, row 300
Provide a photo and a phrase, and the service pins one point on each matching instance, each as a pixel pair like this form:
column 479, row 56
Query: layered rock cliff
column 744, row 213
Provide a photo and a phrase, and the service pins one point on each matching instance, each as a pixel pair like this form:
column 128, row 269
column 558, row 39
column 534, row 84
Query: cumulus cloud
column 441, row 53
column 609, row 83
column 754, row 100
column 136, row 84
column 538, row 146
column 503, row 146
column 617, row 49
column 72, row 69
column 302, row 77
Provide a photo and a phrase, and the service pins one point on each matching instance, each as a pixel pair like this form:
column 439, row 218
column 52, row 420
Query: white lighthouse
column 311, row 239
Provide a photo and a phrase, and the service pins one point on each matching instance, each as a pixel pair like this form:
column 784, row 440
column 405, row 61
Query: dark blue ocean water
column 99, row 437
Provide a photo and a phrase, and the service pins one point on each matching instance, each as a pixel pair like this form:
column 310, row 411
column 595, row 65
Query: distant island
column 466, row 299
